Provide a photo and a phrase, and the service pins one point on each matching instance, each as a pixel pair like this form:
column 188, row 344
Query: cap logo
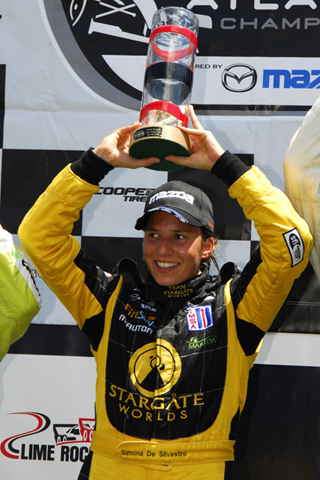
column 172, row 194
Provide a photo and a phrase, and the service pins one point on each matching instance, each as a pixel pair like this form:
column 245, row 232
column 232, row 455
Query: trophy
column 167, row 87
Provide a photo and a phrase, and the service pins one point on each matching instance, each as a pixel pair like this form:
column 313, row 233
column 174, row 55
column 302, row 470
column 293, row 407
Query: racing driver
column 174, row 351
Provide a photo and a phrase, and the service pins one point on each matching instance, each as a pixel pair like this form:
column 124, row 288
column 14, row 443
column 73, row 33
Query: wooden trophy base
column 160, row 141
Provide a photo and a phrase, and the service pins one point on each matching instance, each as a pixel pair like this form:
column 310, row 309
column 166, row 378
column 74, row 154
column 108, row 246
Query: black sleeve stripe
column 229, row 168
column 249, row 334
column 91, row 168
column 101, row 287
column 240, row 284
column 95, row 278
column 93, row 328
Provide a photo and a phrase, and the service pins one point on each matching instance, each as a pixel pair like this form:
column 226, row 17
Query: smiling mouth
column 166, row 264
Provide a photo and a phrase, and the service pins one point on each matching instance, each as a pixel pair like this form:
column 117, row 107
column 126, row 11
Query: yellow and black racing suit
column 172, row 362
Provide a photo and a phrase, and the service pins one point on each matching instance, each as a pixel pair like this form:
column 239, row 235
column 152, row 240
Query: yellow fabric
column 20, row 300
column 41, row 229
column 160, row 453
column 116, row 470
column 265, row 296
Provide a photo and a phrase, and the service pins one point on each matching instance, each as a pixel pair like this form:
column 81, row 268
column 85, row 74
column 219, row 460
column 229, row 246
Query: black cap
column 189, row 204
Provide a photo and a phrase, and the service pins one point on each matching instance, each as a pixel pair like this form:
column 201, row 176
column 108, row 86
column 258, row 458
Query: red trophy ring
column 167, row 87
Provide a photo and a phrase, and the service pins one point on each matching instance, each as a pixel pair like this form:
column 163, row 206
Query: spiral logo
column 155, row 368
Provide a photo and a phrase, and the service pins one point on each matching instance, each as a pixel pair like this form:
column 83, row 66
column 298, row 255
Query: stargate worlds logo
column 67, row 440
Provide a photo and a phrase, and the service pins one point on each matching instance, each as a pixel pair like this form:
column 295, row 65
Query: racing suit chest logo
column 155, row 368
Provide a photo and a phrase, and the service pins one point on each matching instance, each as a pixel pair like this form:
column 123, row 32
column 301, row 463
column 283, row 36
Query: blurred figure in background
column 20, row 299
column 302, row 176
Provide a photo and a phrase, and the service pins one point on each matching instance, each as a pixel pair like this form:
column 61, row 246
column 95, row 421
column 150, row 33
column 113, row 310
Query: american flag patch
column 199, row 318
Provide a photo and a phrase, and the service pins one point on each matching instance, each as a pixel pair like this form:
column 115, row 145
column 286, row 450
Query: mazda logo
column 239, row 77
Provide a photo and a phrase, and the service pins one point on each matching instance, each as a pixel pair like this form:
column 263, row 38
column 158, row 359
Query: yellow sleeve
column 285, row 244
column 45, row 235
column 20, row 299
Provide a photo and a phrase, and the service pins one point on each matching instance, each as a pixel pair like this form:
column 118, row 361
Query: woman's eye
column 180, row 237
column 152, row 235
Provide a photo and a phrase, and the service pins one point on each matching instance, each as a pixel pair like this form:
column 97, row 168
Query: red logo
column 7, row 448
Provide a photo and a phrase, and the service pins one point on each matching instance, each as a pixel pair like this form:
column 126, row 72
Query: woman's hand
column 205, row 148
column 114, row 149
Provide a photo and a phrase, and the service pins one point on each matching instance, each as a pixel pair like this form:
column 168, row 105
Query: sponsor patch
column 172, row 194
column 199, row 318
column 295, row 246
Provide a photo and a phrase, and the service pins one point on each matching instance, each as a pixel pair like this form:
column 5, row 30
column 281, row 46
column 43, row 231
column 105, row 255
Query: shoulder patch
column 295, row 246
column 199, row 318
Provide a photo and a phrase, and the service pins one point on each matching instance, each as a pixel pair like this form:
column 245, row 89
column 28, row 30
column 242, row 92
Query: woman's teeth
column 166, row 264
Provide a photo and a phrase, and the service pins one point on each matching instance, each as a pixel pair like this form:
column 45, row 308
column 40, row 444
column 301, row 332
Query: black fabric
column 66, row 340
column 185, row 290
column 300, row 312
column 85, row 470
column 92, row 273
column 188, row 203
column 137, row 324
column 239, row 286
column 229, row 168
column 231, row 471
column 249, row 335
column 278, row 436
column 91, row 168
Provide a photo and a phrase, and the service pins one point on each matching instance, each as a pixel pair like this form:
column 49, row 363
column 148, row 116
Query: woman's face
column 173, row 250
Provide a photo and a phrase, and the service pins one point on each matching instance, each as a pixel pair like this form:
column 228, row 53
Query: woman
column 173, row 353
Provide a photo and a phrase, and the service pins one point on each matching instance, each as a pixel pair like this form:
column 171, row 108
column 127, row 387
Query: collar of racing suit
column 192, row 287
column 185, row 290
column 129, row 269
column 177, row 294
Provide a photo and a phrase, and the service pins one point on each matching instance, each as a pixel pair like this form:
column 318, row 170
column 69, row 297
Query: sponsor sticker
column 295, row 246
column 199, row 318
column 66, row 443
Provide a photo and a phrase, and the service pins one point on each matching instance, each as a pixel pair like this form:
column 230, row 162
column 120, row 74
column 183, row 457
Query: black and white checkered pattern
column 107, row 224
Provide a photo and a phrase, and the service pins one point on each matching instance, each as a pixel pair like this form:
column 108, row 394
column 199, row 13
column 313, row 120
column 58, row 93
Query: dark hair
column 205, row 235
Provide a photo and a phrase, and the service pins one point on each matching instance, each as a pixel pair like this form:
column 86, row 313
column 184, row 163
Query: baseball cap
column 188, row 203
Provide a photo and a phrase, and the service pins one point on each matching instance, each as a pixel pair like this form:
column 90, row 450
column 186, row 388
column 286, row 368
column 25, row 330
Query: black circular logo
column 105, row 43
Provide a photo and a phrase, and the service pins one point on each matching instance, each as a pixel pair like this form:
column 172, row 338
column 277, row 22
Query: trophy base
column 160, row 141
